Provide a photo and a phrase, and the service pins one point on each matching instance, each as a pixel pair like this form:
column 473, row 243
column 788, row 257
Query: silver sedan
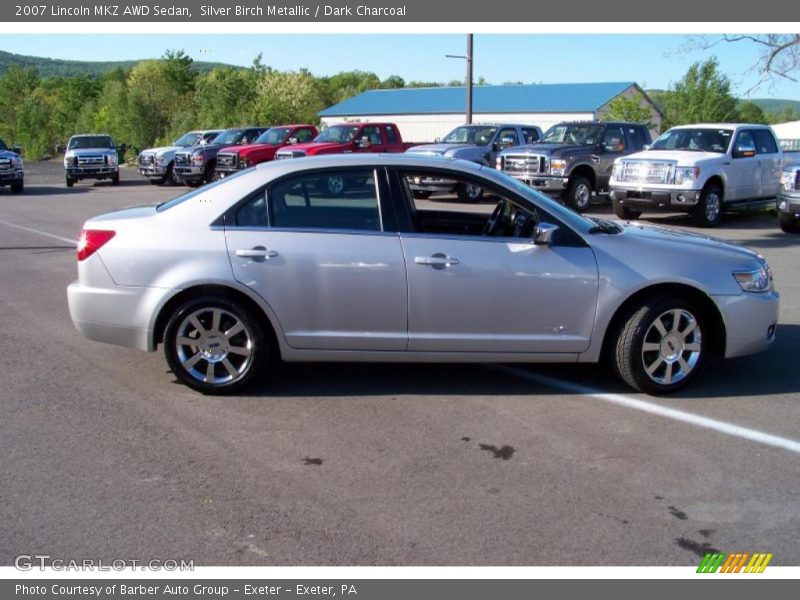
column 332, row 259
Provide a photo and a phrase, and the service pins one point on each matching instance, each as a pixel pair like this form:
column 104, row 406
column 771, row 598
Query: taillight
column 92, row 240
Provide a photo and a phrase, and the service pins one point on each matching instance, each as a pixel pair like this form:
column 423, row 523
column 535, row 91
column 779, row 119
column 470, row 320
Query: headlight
column 197, row 159
column 498, row 163
column 160, row 161
column 789, row 180
column 112, row 159
column 616, row 172
column 16, row 162
column 558, row 166
column 68, row 159
column 243, row 162
column 759, row 280
column 686, row 174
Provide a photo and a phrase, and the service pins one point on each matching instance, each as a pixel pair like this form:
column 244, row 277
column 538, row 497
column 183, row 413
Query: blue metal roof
column 561, row 97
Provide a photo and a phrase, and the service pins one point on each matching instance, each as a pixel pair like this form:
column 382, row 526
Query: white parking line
column 738, row 431
column 39, row 232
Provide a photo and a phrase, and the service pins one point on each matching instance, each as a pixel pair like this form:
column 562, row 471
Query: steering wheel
column 494, row 220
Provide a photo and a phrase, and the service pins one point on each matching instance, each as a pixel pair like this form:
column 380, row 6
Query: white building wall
column 788, row 134
column 426, row 128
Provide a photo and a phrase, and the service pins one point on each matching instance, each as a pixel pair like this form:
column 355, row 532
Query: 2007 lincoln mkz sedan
column 332, row 259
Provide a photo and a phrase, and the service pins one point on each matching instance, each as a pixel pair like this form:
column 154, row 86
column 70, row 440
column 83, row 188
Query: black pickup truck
column 574, row 159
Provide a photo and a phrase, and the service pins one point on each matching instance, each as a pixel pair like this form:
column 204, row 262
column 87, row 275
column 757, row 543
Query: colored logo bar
column 735, row 562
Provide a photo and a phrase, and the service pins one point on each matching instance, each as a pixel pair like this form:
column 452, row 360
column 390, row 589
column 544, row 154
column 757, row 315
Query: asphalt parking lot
column 105, row 456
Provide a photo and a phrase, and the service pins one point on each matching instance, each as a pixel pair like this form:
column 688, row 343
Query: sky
column 654, row 61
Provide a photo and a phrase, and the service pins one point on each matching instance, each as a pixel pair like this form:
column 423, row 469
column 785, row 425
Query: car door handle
column 257, row 252
column 437, row 260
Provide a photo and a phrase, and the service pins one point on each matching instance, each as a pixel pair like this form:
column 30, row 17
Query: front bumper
column 750, row 321
column 189, row 173
column 91, row 172
column 153, row 171
column 668, row 199
column 7, row 177
column 789, row 202
column 547, row 184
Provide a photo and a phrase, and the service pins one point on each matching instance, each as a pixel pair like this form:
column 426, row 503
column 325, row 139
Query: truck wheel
column 660, row 347
column 70, row 182
column 708, row 212
column 208, row 176
column 335, row 185
column 115, row 180
column 422, row 194
column 579, row 194
column 787, row 222
column 169, row 176
column 17, row 188
column 625, row 212
column 468, row 192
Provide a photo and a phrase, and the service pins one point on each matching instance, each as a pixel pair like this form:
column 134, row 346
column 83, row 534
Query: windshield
column 340, row 134
column 273, row 135
column 695, row 140
column 188, row 139
column 229, row 138
column 585, row 134
column 90, row 141
column 480, row 136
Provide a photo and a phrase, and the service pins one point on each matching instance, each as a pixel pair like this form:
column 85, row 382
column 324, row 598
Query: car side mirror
column 544, row 233
column 16, row 149
column 744, row 151
column 646, row 147
column 496, row 147
column 363, row 143
column 437, row 140
column 292, row 141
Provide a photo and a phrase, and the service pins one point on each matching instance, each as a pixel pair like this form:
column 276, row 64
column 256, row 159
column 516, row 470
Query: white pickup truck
column 700, row 169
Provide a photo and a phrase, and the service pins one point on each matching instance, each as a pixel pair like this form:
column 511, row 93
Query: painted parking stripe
column 731, row 429
column 40, row 232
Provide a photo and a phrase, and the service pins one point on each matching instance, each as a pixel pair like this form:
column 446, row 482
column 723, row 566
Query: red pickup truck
column 263, row 148
column 349, row 137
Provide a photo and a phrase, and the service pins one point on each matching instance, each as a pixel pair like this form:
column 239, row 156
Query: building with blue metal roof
column 424, row 114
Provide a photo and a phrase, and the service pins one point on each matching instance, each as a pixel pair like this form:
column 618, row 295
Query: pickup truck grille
column 647, row 171
column 146, row 159
column 519, row 165
column 228, row 160
column 91, row 159
column 5, row 164
column 181, row 159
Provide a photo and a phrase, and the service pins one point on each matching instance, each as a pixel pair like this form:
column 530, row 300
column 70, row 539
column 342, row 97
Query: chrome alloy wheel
column 713, row 206
column 583, row 195
column 336, row 184
column 474, row 191
column 672, row 346
column 213, row 345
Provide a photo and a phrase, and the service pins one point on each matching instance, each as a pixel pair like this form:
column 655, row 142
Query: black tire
column 208, row 175
column 70, row 182
column 788, row 223
column 193, row 183
column 169, row 176
column 579, row 194
column 625, row 212
column 709, row 209
column 213, row 344
column 155, row 181
column 115, row 180
column 469, row 193
column 422, row 194
column 646, row 359
column 18, row 187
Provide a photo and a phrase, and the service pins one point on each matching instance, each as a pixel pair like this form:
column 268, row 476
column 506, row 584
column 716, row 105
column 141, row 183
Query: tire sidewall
column 699, row 212
column 261, row 350
column 572, row 199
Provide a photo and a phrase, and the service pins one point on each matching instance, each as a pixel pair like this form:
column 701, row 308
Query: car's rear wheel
column 708, row 212
column 215, row 345
column 660, row 347
column 625, row 212
column 788, row 223
column 468, row 192
column 70, row 182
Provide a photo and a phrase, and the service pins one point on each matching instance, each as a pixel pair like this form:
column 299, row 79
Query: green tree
column 633, row 108
column 288, row 97
column 16, row 87
column 750, row 112
column 178, row 70
column 703, row 95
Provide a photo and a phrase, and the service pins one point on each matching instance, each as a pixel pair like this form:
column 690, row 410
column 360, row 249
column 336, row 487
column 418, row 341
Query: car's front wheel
column 788, row 223
column 708, row 212
column 468, row 192
column 625, row 212
column 215, row 345
column 579, row 194
column 18, row 187
column 660, row 347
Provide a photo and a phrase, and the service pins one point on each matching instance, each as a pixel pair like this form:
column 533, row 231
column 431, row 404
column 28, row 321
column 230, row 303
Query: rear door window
column 765, row 142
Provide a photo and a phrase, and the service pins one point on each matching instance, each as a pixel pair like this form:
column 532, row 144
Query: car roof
column 722, row 126
column 90, row 135
column 279, row 167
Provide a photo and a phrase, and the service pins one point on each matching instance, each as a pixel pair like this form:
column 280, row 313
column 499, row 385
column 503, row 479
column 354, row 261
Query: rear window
column 765, row 142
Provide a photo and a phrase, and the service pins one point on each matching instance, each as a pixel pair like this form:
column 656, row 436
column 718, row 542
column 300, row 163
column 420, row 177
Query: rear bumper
column 119, row 315
column 750, row 321
column 656, row 198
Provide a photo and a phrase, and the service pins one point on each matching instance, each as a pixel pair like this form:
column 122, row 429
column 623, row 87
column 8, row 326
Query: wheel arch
column 223, row 291
column 710, row 313
column 584, row 170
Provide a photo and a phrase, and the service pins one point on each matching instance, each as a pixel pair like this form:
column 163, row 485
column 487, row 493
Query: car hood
column 8, row 154
column 164, row 149
column 317, row 146
column 439, row 149
column 547, row 149
column 79, row 151
column 689, row 245
column 682, row 157
column 245, row 149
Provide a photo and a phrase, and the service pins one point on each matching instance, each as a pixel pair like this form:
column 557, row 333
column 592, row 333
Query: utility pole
column 468, row 58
